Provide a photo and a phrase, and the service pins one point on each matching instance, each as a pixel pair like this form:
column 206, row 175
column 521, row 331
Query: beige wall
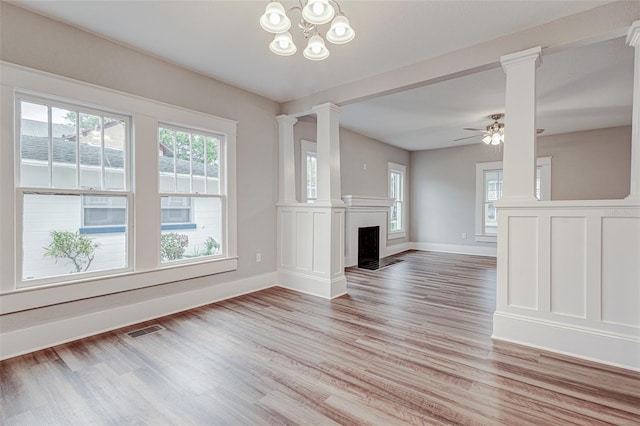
column 592, row 165
column 37, row 42
column 585, row 165
column 357, row 150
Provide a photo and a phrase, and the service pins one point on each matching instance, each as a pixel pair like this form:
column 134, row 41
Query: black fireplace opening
column 369, row 247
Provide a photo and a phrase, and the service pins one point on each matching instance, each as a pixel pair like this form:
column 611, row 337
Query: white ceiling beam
column 602, row 23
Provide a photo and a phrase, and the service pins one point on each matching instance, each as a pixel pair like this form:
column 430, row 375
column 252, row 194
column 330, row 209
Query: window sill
column 24, row 298
column 396, row 235
column 486, row 238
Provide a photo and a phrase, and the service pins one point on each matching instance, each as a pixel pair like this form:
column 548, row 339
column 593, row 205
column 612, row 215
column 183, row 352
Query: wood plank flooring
column 409, row 344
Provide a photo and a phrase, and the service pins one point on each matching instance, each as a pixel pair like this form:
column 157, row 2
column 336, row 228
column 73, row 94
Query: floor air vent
column 144, row 331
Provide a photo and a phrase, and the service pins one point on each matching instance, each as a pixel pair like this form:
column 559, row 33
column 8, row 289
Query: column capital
column 523, row 56
column 286, row 119
column 633, row 37
column 328, row 105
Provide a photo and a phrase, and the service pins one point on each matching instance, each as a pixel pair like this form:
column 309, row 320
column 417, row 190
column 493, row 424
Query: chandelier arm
column 337, row 4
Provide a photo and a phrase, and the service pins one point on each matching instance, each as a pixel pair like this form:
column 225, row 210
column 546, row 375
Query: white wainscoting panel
column 311, row 249
column 522, row 270
column 621, row 270
column 569, row 278
column 304, row 252
column 569, row 266
column 287, row 233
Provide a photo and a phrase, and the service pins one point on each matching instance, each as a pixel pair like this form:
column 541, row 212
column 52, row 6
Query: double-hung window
column 489, row 183
column 397, row 194
column 74, row 175
column 308, row 171
column 192, row 193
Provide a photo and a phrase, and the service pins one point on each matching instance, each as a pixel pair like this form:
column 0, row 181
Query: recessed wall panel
column 522, row 287
column 321, row 241
column 304, row 233
column 288, row 239
column 568, row 266
column 621, row 270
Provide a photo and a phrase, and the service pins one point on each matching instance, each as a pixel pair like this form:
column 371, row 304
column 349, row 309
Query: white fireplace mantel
column 363, row 212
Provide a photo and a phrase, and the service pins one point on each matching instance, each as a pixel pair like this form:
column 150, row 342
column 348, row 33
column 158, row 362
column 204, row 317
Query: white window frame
column 402, row 171
column 221, row 195
column 307, row 148
column 542, row 163
column 20, row 96
column 145, row 115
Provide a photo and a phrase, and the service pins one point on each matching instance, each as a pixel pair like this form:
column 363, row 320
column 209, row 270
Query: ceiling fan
column 492, row 134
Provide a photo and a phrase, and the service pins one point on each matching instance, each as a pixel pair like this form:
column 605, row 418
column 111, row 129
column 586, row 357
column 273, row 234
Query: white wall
column 585, row 165
column 41, row 43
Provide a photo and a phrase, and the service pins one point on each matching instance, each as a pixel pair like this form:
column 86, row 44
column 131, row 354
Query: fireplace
column 369, row 247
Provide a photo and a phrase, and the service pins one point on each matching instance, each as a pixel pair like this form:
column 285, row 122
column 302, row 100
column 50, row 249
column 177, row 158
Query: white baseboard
column 456, row 249
column 315, row 286
column 397, row 248
column 19, row 342
column 594, row 345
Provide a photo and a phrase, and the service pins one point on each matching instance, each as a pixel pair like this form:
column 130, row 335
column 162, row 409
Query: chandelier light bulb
column 318, row 8
column 282, row 44
column 275, row 20
column 316, row 50
column 340, row 32
column 318, row 12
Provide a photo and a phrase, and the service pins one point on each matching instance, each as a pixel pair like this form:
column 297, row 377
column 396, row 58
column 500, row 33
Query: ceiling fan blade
column 468, row 137
column 538, row 131
column 474, row 130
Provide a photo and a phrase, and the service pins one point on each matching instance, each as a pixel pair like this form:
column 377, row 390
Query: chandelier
column 495, row 131
column 314, row 13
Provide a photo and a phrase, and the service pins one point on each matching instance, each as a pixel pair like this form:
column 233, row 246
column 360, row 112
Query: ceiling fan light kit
column 495, row 131
column 275, row 20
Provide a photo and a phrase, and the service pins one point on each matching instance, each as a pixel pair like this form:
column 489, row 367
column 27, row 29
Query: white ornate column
column 519, row 160
column 328, row 140
column 286, row 171
column 311, row 235
column 633, row 39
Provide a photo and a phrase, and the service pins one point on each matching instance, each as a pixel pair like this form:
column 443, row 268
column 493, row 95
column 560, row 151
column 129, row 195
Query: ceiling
column 222, row 39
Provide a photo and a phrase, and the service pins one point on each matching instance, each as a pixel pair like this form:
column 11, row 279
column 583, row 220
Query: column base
column 313, row 285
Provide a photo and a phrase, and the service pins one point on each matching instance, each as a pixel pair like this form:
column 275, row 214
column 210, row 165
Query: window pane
column 490, row 219
column 115, row 139
column 90, row 151
column 64, row 148
column 53, row 245
column 198, row 162
column 183, row 162
column 493, row 185
column 204, row 240
column 213, row 165
column 312, row 177
column 34, row 145
column 166, row 156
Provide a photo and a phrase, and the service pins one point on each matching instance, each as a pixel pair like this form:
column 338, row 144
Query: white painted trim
column 352, row 201
column 594, row 345
column 314, row 286
column 146, row 114
column 455, row 249
column 18, row 342
column 404, row 190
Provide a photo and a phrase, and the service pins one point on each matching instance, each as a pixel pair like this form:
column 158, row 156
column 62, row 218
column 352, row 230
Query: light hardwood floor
column 410, row 344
